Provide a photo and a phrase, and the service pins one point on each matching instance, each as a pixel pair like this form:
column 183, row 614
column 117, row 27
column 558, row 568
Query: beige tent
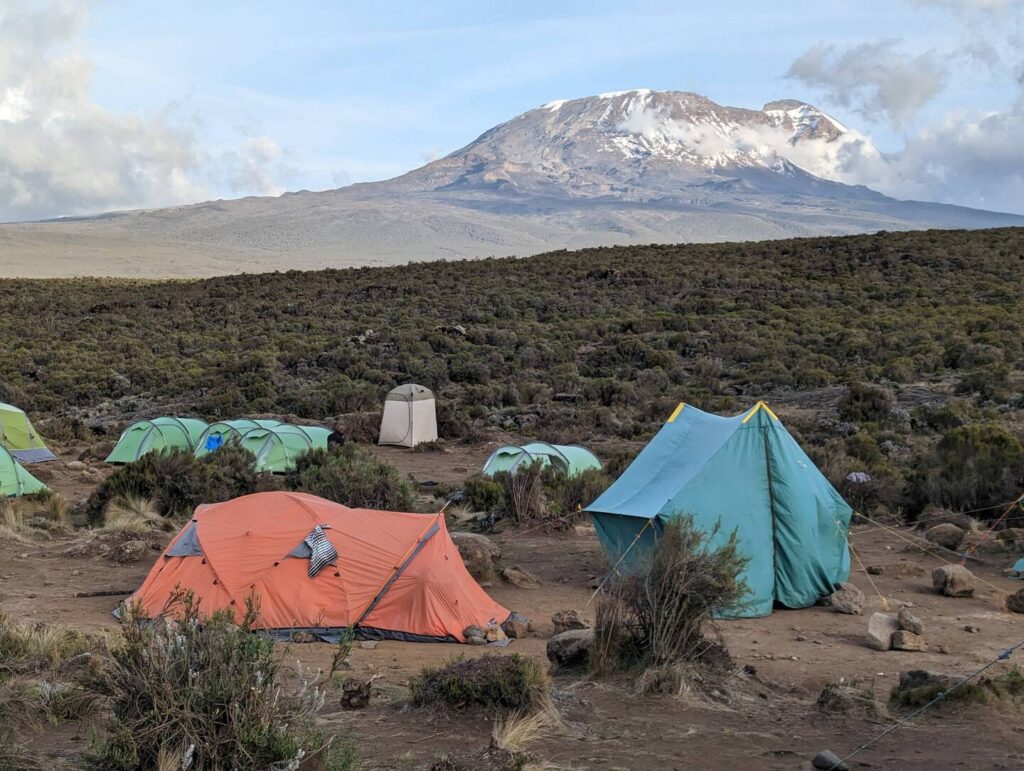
column 409, row 416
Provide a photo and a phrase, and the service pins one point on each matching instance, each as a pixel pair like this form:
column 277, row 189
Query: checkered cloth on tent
column 322, row 553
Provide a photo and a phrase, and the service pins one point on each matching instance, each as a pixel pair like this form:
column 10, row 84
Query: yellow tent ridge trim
column 759, row 406
column 675, row 412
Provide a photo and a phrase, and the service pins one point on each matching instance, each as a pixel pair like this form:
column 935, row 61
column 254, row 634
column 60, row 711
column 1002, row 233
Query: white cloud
column 61, row 153
column 873, row 78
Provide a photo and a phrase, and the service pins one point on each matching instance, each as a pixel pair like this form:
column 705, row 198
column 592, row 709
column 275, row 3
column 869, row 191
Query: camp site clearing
column 789, row 655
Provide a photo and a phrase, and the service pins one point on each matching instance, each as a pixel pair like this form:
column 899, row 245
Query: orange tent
column 396, row 576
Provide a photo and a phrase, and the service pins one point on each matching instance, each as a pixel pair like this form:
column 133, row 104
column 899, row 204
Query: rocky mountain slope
column 620, row 168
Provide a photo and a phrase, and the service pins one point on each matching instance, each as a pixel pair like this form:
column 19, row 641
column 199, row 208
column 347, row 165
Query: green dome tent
column 14, row 480
column 747, row 474
column 157, row 435
column 223, row 431
column 275, row 446
column 569, row 459
column 19, row 438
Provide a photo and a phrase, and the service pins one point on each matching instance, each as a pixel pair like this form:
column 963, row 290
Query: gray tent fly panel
column 409, row 417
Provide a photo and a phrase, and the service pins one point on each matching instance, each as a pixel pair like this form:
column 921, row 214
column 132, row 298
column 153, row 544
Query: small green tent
column 749, row 475
column 157, row 435
column 569, row 459
column 276, row 445
column 19, row 438
column 14, row 479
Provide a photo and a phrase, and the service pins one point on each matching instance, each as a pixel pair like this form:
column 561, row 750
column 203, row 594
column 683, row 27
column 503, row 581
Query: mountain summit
column 637, row 145
column 624, row 167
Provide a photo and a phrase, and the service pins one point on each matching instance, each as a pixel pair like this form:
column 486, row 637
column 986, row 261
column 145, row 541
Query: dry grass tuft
column 132, row 514
column 518, row 730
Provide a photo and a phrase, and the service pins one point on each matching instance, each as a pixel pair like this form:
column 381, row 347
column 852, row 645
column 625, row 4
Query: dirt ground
column 773, row 724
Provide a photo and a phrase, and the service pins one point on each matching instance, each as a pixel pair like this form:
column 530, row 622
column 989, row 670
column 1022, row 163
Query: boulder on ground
column 826, row 759
column 564, row 620
column 1012, row 537
column 129, row 551
column 848, row 599
column 479, row 553
column 518, row 577
column 495, row 633
column 75, row 465
column 953, row 581
column 939, row 516
column 1015, row 602
column 946, row 535
column 881, row 627
column 909, row 622
column 516, row 626
column 902, row 640
column 570, row 649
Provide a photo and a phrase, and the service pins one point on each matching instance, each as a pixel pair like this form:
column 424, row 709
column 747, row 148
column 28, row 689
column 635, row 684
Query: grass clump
column 918, row 687
column 351, row 476
column 207, row 689
column 539, row 493
column 498, row 684
column 132, row 514
column 659, row 618
column 177, row 481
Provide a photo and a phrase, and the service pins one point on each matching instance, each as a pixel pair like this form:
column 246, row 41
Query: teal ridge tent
column 157, row 435
column 14, row 479
column 276, row 445
column 569, row 459
column 749, row 475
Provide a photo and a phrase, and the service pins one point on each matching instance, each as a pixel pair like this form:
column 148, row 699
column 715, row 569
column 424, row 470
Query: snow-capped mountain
column 619, row 168
column 642, row 145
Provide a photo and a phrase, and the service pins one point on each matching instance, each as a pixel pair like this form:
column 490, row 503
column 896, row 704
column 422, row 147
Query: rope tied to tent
column 615, row 567
column 846, row 536
column 974, row 547
column 910, row 540
column 1002, row 656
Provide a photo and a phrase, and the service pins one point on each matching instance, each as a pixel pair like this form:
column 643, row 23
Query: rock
column 302, row 637
column 368, row 645
column 475, row 640
column 75, row 465
column 909, row 622
column 129, row 551
column 564, row 620
column 519, row 577
column 902, row 640
column 479, row 553
column 571, row 648
column 474, row 631
column 881, row 627
column 516, row 626
column 848, row 599
column 1015, row 602
column 875, row 570
column 953, row 581
column 826, row 759
column 972, row 629
column 942, row 517
column 1010, row 536
column 946, row 535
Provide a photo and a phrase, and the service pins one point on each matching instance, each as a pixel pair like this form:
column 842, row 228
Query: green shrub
column 353, row 477
column 971, row 467
column 207, row 689
column 492, row 683
column 481, row 493
column 865, row 403
column 177, row 481
column 662, row 613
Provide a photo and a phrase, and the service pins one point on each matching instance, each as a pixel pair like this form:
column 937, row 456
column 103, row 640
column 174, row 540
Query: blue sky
column 358, row 91
column 197, row 99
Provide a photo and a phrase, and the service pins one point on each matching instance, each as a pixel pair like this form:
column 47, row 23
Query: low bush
column 540, row 493
column 865, row 403
column 480, row 493
column 353, row 477
column 971, row 467
column 177, row 481
column 661, row 614
column 497, row 684
column 205, row 693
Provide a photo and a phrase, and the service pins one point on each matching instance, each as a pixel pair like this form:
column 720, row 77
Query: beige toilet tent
column 409, row 416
